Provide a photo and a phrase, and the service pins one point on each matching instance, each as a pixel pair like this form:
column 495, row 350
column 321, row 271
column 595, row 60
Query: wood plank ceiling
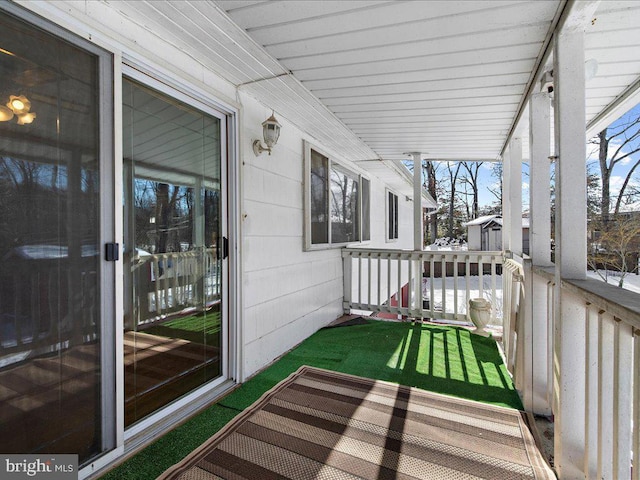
column 440, row 77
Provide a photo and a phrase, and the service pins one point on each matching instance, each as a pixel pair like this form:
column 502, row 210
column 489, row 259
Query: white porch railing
column 421, row 284
column 169, row 282
column 611, row 349
column 601, row 439
column 513, row 284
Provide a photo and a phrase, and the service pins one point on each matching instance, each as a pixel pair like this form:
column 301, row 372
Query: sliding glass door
column 54, row 204
column 173, row 220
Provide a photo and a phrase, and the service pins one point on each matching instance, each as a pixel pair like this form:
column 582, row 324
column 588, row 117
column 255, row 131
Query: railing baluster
column 443, row 277
column 480, row 277
column 467, row 275
column 616, row 399
column 550, row 338
column 399, row 290
column 455, row 284
column 347, row 283
column 622, row 443
column 591, row 390
column 506, row 314
column 605, row 386
column 432, row 277
column 369, row 302
column 494, row 298
column 410, row 289
column 389, row 283
column 156, row 283
column 636, row 405
column 359, row 257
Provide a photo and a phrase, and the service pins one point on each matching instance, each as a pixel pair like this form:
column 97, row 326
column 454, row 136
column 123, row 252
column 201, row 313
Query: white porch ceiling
column 440, row 77
column 371, row 80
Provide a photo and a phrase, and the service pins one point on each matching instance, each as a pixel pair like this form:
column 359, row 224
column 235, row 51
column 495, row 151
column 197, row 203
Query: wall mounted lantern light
column 270, row 132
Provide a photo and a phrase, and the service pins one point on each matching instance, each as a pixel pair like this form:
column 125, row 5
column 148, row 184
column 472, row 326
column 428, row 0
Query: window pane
column 319, row 200
column 345, row 225
column 390, row 215
column 395, row 216
column 49, row 244
column 392, row 220
column 366, row 229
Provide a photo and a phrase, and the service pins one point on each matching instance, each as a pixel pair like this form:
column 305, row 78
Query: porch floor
column 438, row 358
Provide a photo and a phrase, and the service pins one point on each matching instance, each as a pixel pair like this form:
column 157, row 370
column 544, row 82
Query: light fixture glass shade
column 19, row 104
column 6, row 113
column 26, row 118
column 271, row 131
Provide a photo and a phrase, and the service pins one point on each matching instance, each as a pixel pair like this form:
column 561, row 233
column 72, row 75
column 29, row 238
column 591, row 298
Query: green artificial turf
column 441, row 359
column 203, row 328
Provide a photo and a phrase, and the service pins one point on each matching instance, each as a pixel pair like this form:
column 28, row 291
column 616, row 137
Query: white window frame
column 388, row 211
column 308, row 245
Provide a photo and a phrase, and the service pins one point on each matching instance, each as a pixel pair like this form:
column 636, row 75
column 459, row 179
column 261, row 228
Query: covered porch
column 512, row 83
column 367, row 91
column 504, row 82
column 514, row 90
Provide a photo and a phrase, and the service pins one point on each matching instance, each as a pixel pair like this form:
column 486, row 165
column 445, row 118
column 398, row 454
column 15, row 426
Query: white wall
column 288, row 293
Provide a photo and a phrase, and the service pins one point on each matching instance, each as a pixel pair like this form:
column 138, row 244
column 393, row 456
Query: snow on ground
column 493, row 293
column 631, row 280
column 631, row 283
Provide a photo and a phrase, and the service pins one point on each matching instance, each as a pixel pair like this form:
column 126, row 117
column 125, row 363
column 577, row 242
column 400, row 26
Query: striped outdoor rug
column 318, row 424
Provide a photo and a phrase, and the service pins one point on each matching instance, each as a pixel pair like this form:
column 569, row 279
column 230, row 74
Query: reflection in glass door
column 51, row 202
column 51, row 273
column 173, row 271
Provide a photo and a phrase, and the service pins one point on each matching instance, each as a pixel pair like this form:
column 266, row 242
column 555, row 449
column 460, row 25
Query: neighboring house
column 131, row 130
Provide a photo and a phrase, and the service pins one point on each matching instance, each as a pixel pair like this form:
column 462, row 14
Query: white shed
column 485, row 233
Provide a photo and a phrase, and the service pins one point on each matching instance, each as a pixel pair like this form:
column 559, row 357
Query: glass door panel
column 173, row 287
column 50, row 266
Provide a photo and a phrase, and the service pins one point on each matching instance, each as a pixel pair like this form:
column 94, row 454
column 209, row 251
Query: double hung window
column 392, row 216
column 336, row 202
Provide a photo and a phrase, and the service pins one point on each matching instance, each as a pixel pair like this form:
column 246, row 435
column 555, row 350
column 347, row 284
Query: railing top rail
column 386, row 251
column 547, row 272
column 622, row 304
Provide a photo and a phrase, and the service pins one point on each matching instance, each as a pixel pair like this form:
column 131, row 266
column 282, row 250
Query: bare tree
column 430, row 170
column 470, row 179
column 616, row 247
column 496, row 191
column 625, row 136
column 453, row 180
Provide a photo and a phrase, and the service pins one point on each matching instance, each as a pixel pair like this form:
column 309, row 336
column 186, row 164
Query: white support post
column 571, row 251
column 418, row 233
column 418, row 230
column 506, row 205
column 540, row 177
column 537, row 344
column 515, row 196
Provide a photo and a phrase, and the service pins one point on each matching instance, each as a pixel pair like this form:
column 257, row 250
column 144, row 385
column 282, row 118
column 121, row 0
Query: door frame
column 168, row 84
